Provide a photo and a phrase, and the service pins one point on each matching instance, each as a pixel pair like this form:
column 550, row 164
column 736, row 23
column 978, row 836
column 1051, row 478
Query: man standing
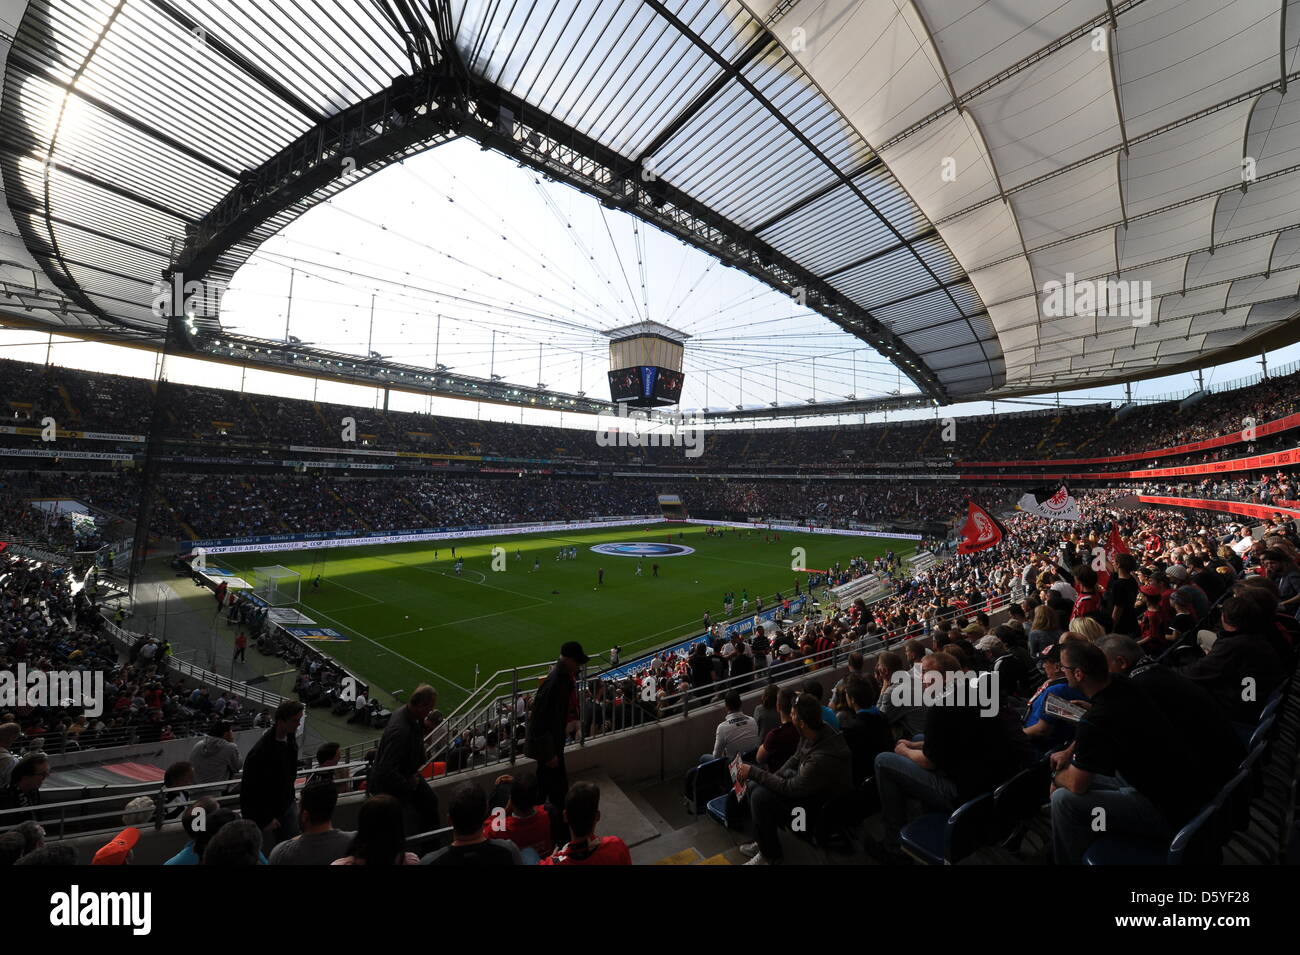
column 600, row 576
column 266, row 788
column 546, row 733
column 241, row 645
column 396, row 769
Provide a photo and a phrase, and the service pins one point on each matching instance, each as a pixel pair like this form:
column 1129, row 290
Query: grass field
column 410, row 619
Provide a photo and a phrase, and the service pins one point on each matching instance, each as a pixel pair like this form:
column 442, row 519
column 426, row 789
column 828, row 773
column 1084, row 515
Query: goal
column 278, row 586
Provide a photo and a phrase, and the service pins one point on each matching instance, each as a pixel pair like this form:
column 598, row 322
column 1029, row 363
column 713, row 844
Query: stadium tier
column 705, row 605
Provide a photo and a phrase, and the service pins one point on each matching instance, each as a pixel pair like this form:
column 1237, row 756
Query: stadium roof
column 918, row 171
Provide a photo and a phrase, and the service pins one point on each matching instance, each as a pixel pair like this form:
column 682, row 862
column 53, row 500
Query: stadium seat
column 704, row 782
column 1199, row 842
column 1261, row 731
column 1019, row 801
column 939, row 839
column 838, row 818
column 717, row 808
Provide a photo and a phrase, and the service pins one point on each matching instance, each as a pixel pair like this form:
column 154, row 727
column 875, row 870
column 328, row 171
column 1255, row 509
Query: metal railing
column 72, row 817
column 92, row 814
column 173, row 664
column 496, row 713
column 58, row 744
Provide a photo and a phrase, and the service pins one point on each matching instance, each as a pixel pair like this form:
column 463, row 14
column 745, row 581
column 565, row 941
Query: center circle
column 643, row 550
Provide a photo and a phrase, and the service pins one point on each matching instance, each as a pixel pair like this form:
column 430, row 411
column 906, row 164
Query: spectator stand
column 251, row 694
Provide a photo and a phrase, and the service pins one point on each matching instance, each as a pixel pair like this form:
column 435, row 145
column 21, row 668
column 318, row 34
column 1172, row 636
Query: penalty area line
column 420, row 666
column 452, row 623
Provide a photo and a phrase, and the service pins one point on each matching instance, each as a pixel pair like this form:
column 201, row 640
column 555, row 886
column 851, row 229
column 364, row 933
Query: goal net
column 278, row 586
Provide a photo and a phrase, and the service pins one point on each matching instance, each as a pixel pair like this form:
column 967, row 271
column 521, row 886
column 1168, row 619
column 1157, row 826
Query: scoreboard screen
column 646, row 385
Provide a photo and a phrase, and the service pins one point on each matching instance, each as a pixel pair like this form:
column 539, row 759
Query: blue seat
column 1018, row 801
column 1274, row 701
column 941, row 839
column 1122, row 850
column 717, row 808
column 1199, row 842
column 1262, row 730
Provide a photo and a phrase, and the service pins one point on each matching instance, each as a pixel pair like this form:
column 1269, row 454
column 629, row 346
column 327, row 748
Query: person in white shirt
column 1065, row 590
column 737, row 733
column 1242, row 547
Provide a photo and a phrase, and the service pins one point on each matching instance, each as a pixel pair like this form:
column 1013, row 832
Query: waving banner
column 1059, row 505
column 980, row 532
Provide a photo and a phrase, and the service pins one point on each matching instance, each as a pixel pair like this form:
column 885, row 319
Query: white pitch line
column 354, row 590
column 342, row 609
column 419, row 666
column 452, row 623
column 443, row 573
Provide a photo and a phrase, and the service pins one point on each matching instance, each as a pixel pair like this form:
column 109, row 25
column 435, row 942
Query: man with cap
column 118, row 851
column 547, row 730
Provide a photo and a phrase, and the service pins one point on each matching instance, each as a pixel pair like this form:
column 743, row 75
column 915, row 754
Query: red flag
column 980, row 532
column 1115, row 545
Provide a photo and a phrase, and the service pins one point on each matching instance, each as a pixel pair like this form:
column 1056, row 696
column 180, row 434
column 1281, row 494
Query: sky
column 460, row 256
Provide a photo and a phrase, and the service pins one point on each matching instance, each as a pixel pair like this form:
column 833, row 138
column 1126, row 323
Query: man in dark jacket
column 968, row 748
column 266, row 788
column 396, row 769
column 1190, row 709
column 1242, row 669
column 548, row 729
column 820, row 768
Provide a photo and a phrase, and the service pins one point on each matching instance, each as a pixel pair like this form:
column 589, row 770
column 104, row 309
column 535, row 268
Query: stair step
column 689, row 856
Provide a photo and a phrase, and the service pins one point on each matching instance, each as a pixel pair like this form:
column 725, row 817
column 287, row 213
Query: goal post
column 278, row 586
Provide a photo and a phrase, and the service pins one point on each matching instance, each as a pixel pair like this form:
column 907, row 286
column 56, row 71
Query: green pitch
column 410, row 619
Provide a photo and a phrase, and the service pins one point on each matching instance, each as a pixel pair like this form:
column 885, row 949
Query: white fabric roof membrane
column 1155, row 147
column 939, row 162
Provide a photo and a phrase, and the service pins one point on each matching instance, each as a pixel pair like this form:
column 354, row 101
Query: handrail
column 59, row 744
column 501, row 712
column 254, row 695
column 674, row 704
column 157, row 792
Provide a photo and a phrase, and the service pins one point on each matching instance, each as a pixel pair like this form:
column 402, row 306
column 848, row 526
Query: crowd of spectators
column 208, row 421
column 45, row 626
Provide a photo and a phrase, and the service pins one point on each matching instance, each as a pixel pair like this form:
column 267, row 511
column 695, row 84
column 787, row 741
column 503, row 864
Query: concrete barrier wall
column 157, row 754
